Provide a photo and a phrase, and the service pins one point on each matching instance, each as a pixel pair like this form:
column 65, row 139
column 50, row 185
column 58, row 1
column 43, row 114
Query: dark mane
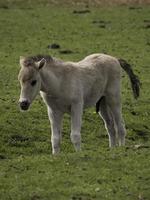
column 32, row 59
column 39, row 57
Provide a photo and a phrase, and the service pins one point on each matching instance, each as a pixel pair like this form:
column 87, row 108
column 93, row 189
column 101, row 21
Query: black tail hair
column 135, row 82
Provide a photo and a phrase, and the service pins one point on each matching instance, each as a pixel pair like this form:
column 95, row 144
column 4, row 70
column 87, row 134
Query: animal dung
column 101, row 23
column 147, row 26
column 134, row 8
column 2, row 157
column 53, row 46
column 102, row 26
column 66, row 51
column 81, row 11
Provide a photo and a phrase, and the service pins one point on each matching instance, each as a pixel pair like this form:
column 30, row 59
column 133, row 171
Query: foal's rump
column 100, row 75
column 110, row 67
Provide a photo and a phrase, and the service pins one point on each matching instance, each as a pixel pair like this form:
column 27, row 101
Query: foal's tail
column 135, row 82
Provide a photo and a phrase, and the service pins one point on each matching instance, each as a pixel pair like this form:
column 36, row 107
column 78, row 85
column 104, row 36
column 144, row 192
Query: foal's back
column 99, row 60
column 101, row 67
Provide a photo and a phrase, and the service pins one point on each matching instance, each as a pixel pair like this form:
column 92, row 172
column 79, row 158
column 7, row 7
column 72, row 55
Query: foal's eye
column 33, row 82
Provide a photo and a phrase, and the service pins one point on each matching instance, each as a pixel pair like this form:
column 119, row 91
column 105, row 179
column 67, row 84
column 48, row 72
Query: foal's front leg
column 76, row 120
column 55, row 118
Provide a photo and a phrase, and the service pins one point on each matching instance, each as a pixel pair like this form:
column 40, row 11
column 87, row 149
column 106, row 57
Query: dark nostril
column 24, row 105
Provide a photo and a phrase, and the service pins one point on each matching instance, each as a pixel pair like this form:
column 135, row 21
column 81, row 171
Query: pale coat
column 69, row 87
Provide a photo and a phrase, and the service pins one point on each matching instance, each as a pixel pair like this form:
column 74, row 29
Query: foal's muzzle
column 24, row 105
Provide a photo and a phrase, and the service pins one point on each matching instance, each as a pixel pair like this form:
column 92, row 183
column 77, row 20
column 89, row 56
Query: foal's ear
column 41, row 63
column 22, row 59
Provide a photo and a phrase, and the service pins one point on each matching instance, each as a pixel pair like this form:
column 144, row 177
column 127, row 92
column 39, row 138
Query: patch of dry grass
column 101, row 2
column 75, row 2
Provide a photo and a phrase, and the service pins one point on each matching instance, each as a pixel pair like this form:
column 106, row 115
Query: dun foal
column 69, row 87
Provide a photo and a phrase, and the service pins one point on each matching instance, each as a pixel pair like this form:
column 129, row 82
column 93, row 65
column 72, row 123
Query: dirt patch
column 2, row 157
column 86, row 3
column 53, row 46
column 102, row 26
column 146, row 20
column 4, row 7
column 67, row 51
column 35, row 197
column 147, row 26
column 101, row 23
column 20, row 138
column 141, row 133
column 81, row 11
column 100, row 2
column 135, row 8
column 134, row 113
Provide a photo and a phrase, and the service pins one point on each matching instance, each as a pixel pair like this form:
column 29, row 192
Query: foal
column 69, row 87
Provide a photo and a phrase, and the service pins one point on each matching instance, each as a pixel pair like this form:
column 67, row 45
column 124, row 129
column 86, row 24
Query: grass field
column 28, row 171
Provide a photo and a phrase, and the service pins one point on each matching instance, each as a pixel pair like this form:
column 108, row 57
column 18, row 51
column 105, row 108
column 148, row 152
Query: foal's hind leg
column 109, row 122
column 114, row 103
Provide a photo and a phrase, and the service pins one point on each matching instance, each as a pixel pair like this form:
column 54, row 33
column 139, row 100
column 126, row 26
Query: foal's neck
column 49, row 81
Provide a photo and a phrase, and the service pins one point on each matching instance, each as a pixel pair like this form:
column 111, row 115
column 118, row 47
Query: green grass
column 28, row 171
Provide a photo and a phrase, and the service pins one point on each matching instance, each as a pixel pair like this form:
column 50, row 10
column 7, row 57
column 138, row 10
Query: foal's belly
column 92, row 97
column 64, row 104
column 91, row 102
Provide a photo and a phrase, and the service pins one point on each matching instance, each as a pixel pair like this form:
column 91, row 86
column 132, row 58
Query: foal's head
column 30, row 81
